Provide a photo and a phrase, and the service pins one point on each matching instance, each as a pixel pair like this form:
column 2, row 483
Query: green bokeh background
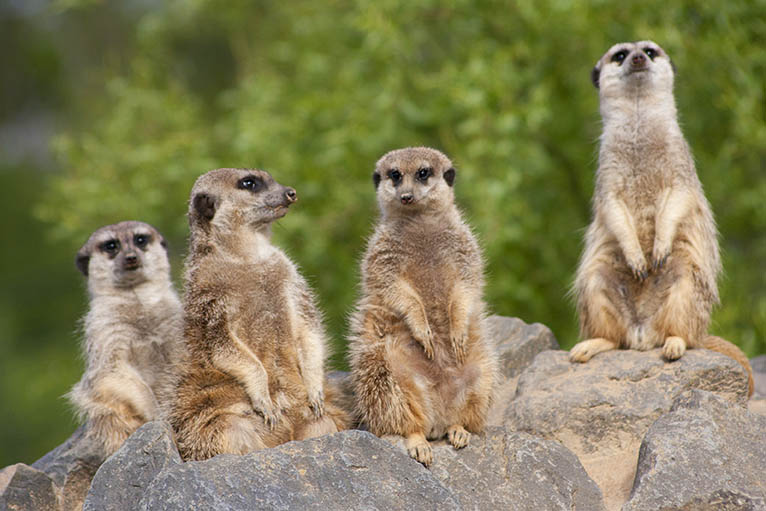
column 110, row 110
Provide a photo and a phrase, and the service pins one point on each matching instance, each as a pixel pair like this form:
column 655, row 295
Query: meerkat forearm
column 404, row 301
column 621, row 224
column 241, row 363
column 672, row 206
column 463, row 299
column 311, row 363
column 124, row 383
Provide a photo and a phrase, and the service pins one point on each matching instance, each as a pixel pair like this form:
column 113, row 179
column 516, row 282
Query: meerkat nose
column 407, row 198
column 291, row 195
column 639, row 59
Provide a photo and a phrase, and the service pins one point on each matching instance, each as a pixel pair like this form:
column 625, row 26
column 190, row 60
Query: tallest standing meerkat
column 648, row 274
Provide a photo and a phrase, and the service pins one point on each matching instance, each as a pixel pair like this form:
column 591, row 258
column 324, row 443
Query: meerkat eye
column 395, row 176
column 251, row 183
column 651, row 53
column 424, row 173
column 141, row 240
column 619, row 56
column 111, row 247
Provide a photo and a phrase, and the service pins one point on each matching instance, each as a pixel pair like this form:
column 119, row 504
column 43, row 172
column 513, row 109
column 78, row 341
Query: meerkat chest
column 263, row 300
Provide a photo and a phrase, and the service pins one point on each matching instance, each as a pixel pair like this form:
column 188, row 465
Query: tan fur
column 648, row 274
column 132, row 332
column 421, row 363
column 255, row 377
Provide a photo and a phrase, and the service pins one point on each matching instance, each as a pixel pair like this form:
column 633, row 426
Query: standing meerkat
column 421, row 363
column 255, row 377
column 132, row 331
column 648, row 274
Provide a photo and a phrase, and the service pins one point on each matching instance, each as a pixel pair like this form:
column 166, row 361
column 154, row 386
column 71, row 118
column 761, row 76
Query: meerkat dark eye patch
column 395, row 176
column 251, row 182
column 204, row 205
column 595, row 73
column 619, row 56
column 423, row 174
column 142, row 240
column 651, row 53
column 376, row 179
column 110, row 247
column 449, row 176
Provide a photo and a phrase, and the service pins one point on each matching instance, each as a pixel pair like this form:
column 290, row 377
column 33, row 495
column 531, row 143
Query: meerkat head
column 224, row 200
column 631, row 67
column 413, row 180
column 123, row 255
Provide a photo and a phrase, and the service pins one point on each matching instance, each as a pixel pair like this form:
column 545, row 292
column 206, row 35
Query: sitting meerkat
column 255, row 377
column 132, row 331
column 648, row 274
column 421, row 363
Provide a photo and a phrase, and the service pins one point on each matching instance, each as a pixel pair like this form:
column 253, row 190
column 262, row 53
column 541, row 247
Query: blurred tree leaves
column 315, row 92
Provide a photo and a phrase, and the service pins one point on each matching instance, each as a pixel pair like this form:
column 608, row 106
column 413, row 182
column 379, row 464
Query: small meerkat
column 132, row 331
column 255, row 377
column 648, row 273
column 421, row 363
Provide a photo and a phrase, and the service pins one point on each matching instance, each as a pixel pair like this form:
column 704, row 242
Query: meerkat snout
column 638, row 60
column 407, row 198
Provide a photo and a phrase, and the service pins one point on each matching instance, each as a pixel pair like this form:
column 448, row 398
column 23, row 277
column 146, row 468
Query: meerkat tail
column 731, row 350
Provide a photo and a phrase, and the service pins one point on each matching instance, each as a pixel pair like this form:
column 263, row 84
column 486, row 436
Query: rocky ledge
column 626, row 430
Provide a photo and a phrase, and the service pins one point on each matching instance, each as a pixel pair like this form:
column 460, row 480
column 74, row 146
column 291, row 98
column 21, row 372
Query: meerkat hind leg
column 585, row 350
column 674, row 348
column 419, row 448
column 458, row 436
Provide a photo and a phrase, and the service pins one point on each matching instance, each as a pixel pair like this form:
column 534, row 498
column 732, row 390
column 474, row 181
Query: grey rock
column 25, row 488
column 125, row 476
column 601, row 409
column 759, row 376
column 706, row 454
column 515, row 471
column 72, row 466
column 518, row 343
column 347, row 470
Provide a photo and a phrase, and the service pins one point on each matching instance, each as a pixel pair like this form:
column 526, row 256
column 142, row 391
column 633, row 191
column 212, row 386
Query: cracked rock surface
column 601, row 409
column 706, row 454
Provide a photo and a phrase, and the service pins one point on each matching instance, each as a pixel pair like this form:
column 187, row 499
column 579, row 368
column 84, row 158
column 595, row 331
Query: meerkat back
column 421, row 366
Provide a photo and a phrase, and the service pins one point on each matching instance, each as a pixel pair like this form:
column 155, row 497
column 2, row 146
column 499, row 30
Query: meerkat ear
column 376, row 179
column 672, row 65
column 163, row 242
column 594, row 75
column 82, row 260
column 449, row 176
column 204, row 205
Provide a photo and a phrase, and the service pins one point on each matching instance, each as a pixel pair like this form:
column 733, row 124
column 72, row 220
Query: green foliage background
column 315, row 92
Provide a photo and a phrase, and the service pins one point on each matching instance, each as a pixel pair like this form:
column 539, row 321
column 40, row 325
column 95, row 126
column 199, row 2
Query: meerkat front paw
column 271, row 414
column 419, row 449
column 638, row 267
column 674, row 348
column 425, row 337
column 660, row 253
column 459, row 345
column 458, row 436
column 316, row 402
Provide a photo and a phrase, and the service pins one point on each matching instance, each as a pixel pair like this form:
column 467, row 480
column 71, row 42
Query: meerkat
column 255, row 377
column 648, row 273
column 132, row 331
column 421, row 363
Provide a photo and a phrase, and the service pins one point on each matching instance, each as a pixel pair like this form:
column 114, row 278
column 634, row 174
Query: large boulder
column 706, row 454
column 515, row 471
column 25, row 488
column 353, row 468
column 601, row 409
